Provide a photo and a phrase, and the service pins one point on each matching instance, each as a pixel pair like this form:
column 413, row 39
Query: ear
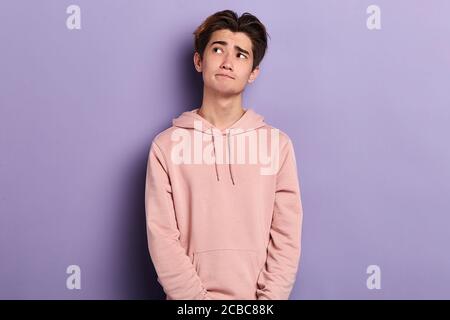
column 197, row 62
column 253, row 75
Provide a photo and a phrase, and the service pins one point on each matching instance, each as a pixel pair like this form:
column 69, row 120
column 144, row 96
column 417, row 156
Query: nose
column 227, row 63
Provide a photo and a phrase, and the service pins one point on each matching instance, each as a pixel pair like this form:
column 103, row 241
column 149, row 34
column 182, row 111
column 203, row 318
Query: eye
column 217, row 48
column 240, row 53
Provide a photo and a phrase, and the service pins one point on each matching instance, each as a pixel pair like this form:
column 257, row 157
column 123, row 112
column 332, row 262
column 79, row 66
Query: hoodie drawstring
column 229, row 157
column 215, row 157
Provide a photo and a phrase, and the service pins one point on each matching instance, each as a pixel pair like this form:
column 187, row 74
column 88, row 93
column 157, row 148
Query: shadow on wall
column 140, row 280
column 189, row 81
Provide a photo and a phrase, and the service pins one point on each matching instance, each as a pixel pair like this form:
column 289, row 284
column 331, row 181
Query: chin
column 220, row 89
column 229, row 92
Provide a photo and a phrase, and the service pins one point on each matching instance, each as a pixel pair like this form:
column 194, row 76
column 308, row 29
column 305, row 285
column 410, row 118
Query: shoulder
column 274, row 132
column 164, row 138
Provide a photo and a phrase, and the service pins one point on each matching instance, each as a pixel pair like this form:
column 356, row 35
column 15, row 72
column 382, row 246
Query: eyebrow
column 224, row 43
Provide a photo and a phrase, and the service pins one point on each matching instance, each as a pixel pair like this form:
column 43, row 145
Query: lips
column 224, row 75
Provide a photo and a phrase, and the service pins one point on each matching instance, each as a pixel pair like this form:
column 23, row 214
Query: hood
column 250, row 120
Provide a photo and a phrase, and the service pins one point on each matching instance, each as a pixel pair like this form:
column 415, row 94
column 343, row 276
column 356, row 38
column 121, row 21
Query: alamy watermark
column 245, row 147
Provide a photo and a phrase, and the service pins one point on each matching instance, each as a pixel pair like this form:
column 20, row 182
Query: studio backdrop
column 361, row 87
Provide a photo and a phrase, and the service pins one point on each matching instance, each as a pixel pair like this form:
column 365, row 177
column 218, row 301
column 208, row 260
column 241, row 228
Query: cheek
column 245, row 75
column 211, row 61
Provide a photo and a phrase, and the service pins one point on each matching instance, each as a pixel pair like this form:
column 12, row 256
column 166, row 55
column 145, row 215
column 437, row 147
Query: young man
column 222, row 196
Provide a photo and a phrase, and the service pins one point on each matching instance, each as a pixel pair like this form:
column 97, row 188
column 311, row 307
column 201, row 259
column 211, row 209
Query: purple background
column 368, row 112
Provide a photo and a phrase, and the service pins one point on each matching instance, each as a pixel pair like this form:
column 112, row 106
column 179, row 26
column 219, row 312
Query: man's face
column 227, row 62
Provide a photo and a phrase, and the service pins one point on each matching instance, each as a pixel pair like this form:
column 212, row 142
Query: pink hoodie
column 223, row 209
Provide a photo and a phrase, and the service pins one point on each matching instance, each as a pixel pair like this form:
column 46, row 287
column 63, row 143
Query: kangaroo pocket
column 228, row 273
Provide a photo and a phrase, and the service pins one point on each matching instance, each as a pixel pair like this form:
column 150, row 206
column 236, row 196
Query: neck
column 221, row 111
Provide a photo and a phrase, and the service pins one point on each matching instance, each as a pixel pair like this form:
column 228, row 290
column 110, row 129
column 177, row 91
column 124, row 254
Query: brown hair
column 227, row 19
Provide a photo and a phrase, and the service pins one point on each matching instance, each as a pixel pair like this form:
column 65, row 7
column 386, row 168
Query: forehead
column 233, row 38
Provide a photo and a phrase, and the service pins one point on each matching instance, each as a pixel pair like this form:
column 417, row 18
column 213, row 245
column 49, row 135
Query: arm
column 277, row 278
column 175, row 270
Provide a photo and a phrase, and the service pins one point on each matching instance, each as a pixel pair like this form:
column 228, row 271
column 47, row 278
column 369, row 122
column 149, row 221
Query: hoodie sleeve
column 175, row 270
column 277, row 278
